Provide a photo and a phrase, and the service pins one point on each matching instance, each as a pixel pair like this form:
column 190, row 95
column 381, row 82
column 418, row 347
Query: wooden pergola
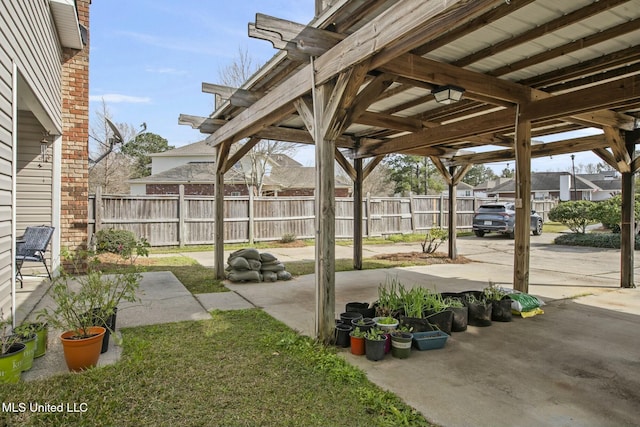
column 359, row 83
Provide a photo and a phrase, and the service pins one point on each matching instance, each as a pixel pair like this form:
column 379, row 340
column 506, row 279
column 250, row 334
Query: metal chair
column 33, row 247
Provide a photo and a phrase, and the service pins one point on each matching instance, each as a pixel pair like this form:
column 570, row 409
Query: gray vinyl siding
column 28, row 39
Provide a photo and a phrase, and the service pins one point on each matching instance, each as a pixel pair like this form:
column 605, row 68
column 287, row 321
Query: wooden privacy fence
column 177, row 220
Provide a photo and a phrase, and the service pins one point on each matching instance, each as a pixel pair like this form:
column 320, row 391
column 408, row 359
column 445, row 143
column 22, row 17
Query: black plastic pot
column 349, row 316
column 367, row 323
column 374, row 350
column 501, row 310
column 362, row 308
column 417, row 324
column 442, row 321
column 480, row 314
column 342, row 335
column 109, row 324
column 460, row 318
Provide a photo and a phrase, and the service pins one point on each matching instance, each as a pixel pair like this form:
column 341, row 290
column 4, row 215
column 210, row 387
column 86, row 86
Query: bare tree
column 113, row 170
column 256, row 164
column 379, row 182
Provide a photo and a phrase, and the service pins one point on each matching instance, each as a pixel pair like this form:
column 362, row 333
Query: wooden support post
column 181, row 209
column 627, row 228
column 368, row 213
column 453, row 215
column 251, row 215
column 357, row 215
column 523, row 205
column 98, row 210
column 412, row 212
column 219, row 220
column 325, row 222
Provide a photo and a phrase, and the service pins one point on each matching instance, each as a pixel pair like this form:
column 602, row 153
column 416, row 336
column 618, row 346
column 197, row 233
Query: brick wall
column 75, row 135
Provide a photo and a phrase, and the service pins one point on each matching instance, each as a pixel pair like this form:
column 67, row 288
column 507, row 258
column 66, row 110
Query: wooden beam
column 588, row 100
column 400, row 20
column 368, row 95
column 606, row 156
column 346, row 166
column 628, row 223
column 391, row 122
column 237, row 97
column 204, row 124
column 522, row 232
column 292, row 36
column 371, row 166
column 460, row 173
column 357, row 214
column 437, row 162
column 304, row 107
column 218, row 214
column 240, row 153
column 453, row 215
column 572, row 145
column 619, row 149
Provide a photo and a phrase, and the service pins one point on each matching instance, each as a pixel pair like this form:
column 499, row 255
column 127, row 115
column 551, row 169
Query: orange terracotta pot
column 84, row 353
column 357, row 346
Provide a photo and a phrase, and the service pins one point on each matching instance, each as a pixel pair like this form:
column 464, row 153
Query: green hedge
column 594, row 240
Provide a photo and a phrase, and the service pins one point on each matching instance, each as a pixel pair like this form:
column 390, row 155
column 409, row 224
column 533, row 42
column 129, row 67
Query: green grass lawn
column 241, row 368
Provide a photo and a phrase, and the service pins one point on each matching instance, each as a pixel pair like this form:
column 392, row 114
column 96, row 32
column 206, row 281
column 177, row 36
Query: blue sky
column 149, row 59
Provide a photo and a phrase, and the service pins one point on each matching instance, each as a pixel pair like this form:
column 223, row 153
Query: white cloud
column 165, row 70
column 117, row 98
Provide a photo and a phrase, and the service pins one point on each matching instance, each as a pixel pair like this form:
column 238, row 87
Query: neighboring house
column 44, row 127
column 462, row 190
column 482, row 189
column 560, row 185
column 193, row 166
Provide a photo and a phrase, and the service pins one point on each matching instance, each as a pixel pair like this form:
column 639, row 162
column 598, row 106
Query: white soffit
column 66, row 20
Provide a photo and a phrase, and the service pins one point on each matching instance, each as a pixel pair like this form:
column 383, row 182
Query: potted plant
column 414, row 305
column 386, row 324
column 357, row 342
column 374, row 344
column 27, row 336
column 41, row 331
column 11, row 353
column 479, row 309
column 342, row 334
column 436, row 312
column 401, row 342
column 364, row 324
column 500, row 301
column 460, row 314
column 389, row 302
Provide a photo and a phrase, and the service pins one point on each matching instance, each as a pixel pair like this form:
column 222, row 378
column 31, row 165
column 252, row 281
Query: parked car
column 501, row 218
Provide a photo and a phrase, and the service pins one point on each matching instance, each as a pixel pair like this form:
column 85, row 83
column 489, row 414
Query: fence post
column 181, row 226
column 441, row 216
column 368, row 214
column 412, row 213
column 251, row 217
column 97, row 210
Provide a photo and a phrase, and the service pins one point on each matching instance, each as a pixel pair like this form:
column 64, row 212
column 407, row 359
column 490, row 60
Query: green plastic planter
column 29, row 352
column 401, row 344
column 11, row 364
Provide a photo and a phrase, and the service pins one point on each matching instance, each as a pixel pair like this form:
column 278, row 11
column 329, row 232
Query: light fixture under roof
column 447, row 94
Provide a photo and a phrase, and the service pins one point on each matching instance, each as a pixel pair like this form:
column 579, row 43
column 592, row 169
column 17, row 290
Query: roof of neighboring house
column 490, row 184
column 200, row 148
column 302, row 177
column 196, row 173
column 464, row 186
column 550, row 181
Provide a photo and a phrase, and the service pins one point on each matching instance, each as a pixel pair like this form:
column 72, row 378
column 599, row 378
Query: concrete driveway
column 576, row 365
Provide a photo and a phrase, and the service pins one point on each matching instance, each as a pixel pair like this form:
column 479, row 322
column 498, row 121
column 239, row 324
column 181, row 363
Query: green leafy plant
column 387, row 320
column 84, row 300
column 357, row 333
column 434, row 301
column 472, row 299
column 453, row 302
column 493, row 292
column 389, row 300
column 7, row 337
column 122, row 242
column 433, row 239
column 374, row 334
column 288, row 238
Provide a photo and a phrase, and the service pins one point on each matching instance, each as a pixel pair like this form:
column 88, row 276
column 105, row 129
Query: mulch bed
column 422, row 258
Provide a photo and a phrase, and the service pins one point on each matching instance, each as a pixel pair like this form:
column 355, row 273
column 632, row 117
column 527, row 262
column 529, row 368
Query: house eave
column 65, row 17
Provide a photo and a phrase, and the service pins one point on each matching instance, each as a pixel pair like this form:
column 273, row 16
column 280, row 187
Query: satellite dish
column 116, row 133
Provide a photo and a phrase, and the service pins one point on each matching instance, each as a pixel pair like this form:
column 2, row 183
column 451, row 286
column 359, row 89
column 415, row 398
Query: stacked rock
column 249, row 265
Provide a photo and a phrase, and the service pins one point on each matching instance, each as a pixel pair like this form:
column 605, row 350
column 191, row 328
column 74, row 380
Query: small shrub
column 288, row 238
column 609, row 212
column 594, row 240
column 122, row 242
column 576, row 215
column 433, row 239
